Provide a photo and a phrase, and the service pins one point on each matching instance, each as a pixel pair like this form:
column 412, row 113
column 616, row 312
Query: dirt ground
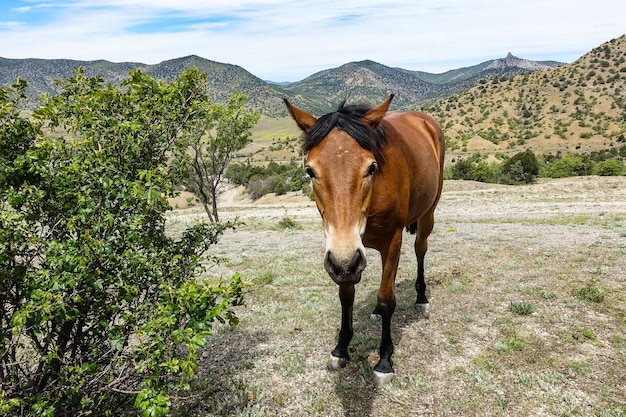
column 470, row 201
column 557, row 247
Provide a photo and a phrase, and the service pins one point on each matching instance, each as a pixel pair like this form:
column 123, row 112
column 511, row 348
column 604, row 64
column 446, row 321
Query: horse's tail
column 412, row 228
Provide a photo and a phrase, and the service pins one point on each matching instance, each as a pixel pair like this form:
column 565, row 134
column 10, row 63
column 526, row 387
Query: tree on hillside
column 100, row 308
column 521, row 168
column 213, row 142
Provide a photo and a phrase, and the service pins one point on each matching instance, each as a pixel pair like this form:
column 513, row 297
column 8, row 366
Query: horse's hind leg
column 424, row 228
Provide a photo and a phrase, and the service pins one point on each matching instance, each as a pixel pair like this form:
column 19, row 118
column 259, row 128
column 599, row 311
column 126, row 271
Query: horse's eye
column 373, row 168
column 309, row 171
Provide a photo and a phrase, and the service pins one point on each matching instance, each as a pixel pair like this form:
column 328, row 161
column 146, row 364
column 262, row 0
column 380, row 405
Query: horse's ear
column 375, row 115
column 304, row 120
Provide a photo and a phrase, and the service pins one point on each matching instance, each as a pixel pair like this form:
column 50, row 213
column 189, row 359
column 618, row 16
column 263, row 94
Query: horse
column 373, row 174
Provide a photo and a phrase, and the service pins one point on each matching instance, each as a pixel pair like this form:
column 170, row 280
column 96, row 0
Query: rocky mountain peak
column 511, row 61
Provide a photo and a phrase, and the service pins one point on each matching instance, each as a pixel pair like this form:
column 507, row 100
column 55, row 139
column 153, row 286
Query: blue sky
column 284, row 40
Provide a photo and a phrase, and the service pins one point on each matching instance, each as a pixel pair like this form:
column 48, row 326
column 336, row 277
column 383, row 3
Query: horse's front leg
column 339, row 356
column 383, row 371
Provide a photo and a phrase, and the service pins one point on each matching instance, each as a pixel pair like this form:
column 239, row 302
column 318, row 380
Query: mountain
column 503, row 67
column 40, row 74
column 577, row 107
column 364, row 81
column 223, row 79
column 368, row 81
column 459, row 80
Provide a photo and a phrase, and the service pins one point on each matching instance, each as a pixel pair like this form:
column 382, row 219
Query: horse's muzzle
column 348, row 270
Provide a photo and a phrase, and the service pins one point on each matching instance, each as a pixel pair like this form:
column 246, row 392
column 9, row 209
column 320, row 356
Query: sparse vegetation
column 547, row 111
column 590, row 292
column 288, row 223
column 525, row 167
column 273, row 178
column 497, row 253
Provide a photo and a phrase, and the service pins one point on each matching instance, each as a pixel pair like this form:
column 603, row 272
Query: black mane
column 348, row 119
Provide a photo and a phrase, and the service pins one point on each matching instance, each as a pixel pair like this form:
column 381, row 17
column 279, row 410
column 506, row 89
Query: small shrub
column 590, row 292
column 266, row 277
column 288, row 223
column 275, row 178
column 510, row 345
column 521, row 308
column 588, row 334
column 581, row 335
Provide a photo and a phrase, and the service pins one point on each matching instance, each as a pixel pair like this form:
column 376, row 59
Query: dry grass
column 557, row 248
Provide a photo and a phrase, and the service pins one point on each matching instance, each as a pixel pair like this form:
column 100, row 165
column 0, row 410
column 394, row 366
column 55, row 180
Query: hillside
column 575, row 107
column 364, row 81
column 40, row 74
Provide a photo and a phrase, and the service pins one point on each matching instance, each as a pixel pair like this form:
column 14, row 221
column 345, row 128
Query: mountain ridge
column 572, row 108
column 366, row 81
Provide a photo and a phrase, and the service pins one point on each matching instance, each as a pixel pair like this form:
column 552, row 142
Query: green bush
column 102, row 310
column 609, row 167
column 569, row 166
column 590, row 292
column 473, row 169
column 240, row 174
column 525, row 167
column 484, row 172
column 521, row 168
column 461, row 170
column 275, row 178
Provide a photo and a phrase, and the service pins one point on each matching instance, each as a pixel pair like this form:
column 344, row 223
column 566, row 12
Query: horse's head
column 343, row 154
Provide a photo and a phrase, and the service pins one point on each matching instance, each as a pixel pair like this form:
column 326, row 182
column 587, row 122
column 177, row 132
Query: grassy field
column 269, row 128
column 528, row 311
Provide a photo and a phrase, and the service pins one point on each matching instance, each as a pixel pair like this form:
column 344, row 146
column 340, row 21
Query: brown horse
column 373, row 173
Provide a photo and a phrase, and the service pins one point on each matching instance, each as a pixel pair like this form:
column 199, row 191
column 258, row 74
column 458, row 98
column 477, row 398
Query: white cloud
column 289, row 40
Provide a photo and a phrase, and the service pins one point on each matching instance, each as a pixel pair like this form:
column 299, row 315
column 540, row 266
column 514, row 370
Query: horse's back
column 416, row 147
column 420, row 132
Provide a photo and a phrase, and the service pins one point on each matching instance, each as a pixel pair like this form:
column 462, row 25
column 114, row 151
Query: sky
column 285, row 40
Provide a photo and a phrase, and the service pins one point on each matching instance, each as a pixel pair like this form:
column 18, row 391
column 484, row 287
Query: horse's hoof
column 422, row 308
column 382, row 378
column 376, row 314
column 336, row 364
